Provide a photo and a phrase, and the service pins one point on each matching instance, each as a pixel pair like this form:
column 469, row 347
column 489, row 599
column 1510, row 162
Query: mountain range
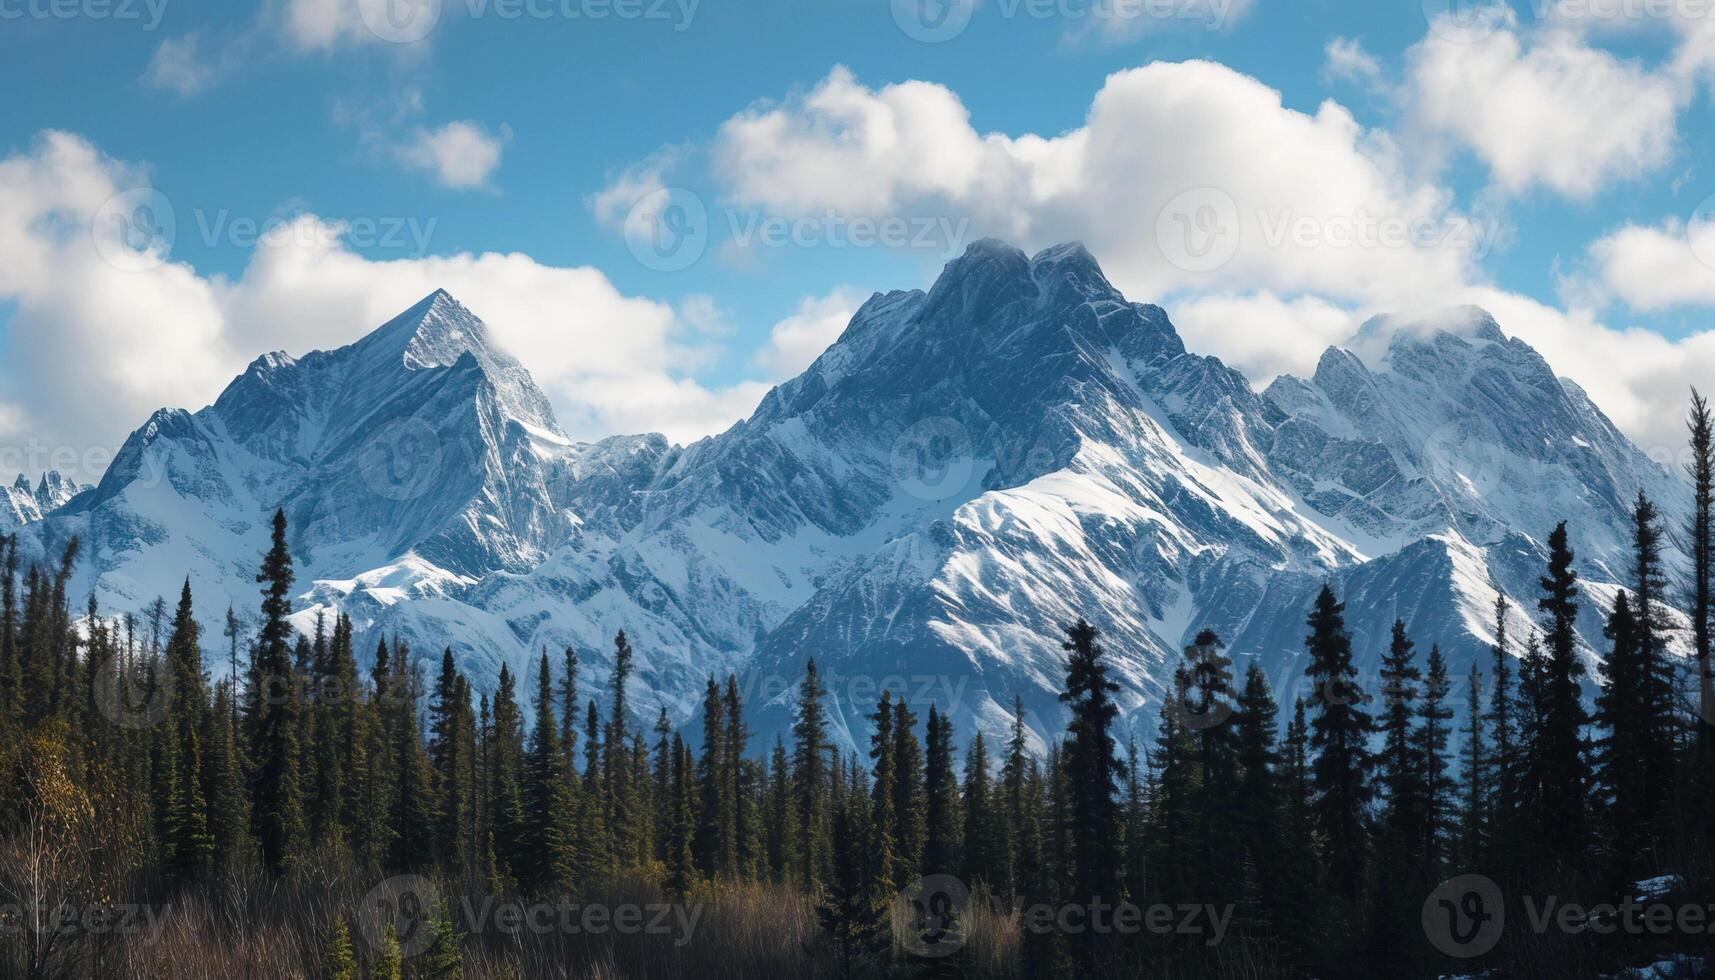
column 964, row 471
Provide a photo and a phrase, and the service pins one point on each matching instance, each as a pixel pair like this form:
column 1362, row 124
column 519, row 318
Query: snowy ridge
column 964, row 470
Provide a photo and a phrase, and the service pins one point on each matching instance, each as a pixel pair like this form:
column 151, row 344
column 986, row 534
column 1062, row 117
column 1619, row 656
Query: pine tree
column 1258, row 797
column 681, row 859
column 449, row 756
column 1208, row 702
column 442, row 960
column 1474, row 767
column 1435, row 723
column 1700, row 533
column 1655, row 718
column 278, row 795
column 910, row 812
column 983, row 835
column 337, row 960
column 781, row 823
column 810, row 776
column 388, row 958
column 1503, row 764
column 1092, row 773
column 188, row 845
column 715, row 815
column 943, row 823
column 1558, row 745
column 509, row 829
column 1339, row 736
column 620, row 807
column 1400, row 767
column 851, row 910
column 415, row 809
column 552, row 858
column 742, row 784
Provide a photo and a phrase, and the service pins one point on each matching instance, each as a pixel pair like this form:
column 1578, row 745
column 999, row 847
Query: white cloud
column 177, row 67
column 1293, row 226
column 1261, row 334
column 1344, row 59
column 93, row 347
column 1545, row 108
column 461, row 155
column 612, row 204
column 799, row 339
column 1658, row 267
column 325, row 25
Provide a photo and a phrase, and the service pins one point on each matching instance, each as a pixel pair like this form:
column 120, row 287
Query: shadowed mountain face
column 963, row 472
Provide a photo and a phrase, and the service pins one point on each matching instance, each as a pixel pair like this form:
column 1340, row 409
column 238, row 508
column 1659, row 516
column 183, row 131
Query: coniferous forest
column 326, row 811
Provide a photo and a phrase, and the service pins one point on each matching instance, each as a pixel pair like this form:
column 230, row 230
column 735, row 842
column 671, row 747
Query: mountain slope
column 965, row 470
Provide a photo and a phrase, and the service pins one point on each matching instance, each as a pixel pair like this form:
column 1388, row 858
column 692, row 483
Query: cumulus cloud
column 105, row 327
column 177, row 67
column 1658, row 267
column 461, row 155
column 1193, row 211
column 1264, row 335
column 1318, row 244
column 799, row 339
column 1544, row 108
column 1345, row 60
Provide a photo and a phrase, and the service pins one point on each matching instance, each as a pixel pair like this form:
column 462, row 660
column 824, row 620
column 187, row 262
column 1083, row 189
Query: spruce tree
column 1559, row 748
column 715, row 814
column 278, row 795
column 944, row 835
column 910, row 814
column 552, row 858
column 1435, row 725
column 1474, row 767
column 681, row 859
column 1258, row 798
column 1399, row 765
column 1700, row 544
column 1339, row 737
column 337, row 960
column 188, row 843
column 983, row 837
column 811, row 779
column 1092, row 770
column 509, row 829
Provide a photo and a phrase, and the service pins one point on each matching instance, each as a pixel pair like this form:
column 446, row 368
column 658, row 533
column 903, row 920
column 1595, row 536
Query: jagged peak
column 22, row 483
column 432, row 333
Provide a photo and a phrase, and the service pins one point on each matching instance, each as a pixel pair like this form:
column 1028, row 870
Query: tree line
column 1319, row 826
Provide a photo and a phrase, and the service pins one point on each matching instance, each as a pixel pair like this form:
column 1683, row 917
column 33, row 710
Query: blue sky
column 505, row 157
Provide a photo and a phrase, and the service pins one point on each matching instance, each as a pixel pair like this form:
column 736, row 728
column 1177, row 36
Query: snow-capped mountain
column 965, row 470
column 22, row 504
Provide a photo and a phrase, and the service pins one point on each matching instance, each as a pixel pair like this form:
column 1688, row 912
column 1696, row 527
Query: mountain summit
column 963, row 472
